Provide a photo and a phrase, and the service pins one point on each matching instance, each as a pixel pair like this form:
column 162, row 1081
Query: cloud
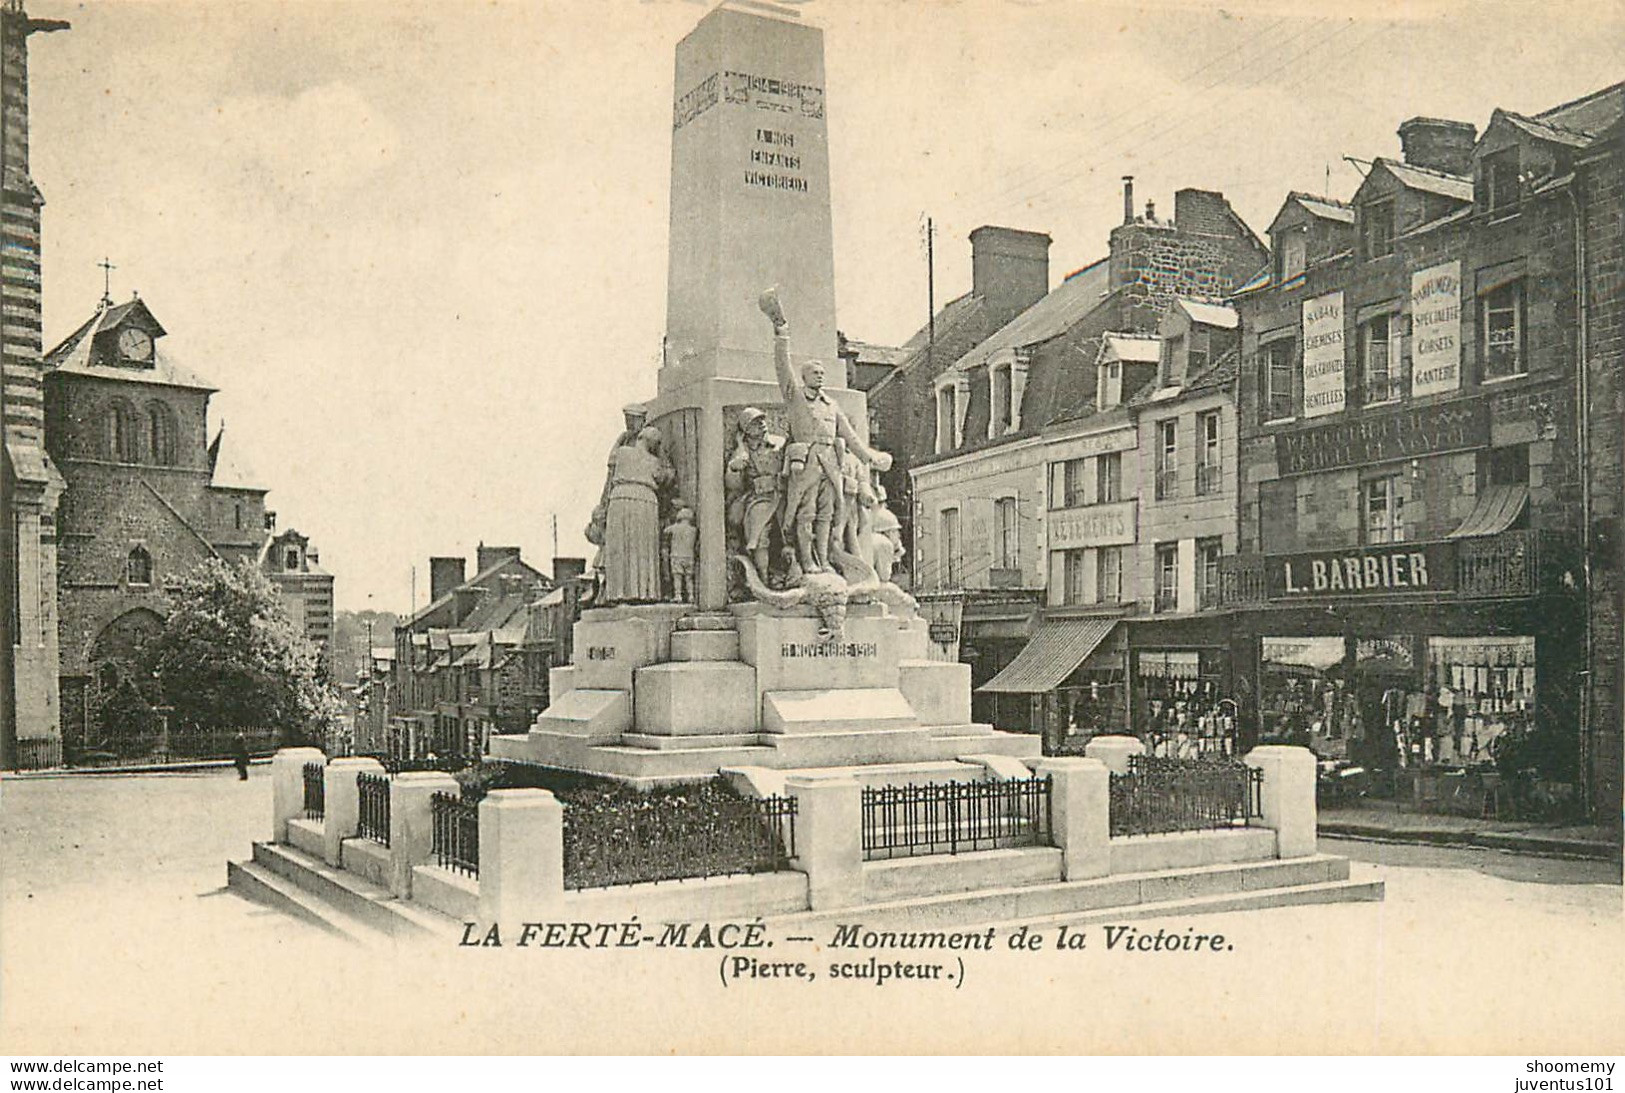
column 322, row 143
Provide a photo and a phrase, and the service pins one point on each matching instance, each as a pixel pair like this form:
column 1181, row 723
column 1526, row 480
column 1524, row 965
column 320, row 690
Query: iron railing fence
column 445, row 764
column 1160, row 795
column 456, row 824
column 315, row 791
column 955, row 817
column 661, row 838
column 372, row 792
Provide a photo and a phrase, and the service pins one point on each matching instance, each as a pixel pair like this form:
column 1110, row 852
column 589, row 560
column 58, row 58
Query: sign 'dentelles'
column 1364, row 571
column 1323, row 387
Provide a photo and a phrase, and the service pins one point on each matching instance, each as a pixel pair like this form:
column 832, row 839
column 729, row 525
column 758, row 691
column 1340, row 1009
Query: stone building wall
column 1601, row 189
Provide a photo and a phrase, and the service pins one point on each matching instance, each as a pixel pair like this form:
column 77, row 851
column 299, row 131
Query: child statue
column 681, row 539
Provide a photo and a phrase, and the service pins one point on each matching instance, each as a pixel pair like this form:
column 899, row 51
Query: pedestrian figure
column 239, row 756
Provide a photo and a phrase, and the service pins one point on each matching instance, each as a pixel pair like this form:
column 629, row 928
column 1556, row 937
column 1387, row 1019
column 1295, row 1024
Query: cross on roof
column 107, row 268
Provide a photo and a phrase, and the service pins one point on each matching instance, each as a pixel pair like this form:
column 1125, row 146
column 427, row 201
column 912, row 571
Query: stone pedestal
column 1114, row 751
column 1288, row 796
column 288, row 787
column 411, row 823
column 341, row 804
column 521, row 855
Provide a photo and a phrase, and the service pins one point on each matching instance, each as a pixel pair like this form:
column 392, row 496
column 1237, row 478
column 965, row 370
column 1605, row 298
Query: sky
column 421, row 248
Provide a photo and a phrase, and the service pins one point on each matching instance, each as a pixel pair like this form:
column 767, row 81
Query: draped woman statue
column 631, row 554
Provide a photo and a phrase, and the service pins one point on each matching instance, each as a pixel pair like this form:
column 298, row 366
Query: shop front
column 1070, row 681
column 992, row 631
column 1425, row 693
column 1181, row 696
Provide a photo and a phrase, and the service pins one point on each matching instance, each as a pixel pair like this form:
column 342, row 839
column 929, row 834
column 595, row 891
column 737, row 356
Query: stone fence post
column 1080, row 809
column 829, row 838
column 411, row 824
column 288, row 787
column 1114, row 751
column 342, row 808
column 521, row 855
column 1289, row 796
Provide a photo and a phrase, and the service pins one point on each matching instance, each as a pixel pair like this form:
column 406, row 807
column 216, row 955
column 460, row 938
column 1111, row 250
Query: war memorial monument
column 746, row 616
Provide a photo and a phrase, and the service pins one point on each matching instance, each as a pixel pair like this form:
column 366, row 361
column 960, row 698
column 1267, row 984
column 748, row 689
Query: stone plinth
column 710, row 697
column 785, row 649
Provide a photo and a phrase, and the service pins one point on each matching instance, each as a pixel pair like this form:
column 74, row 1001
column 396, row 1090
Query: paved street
column 117, row 937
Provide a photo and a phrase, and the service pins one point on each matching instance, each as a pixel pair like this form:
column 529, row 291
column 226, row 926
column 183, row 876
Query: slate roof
column 1053, row 315
column 1207, row 314
column 1324, row 208
column 1590, row 114
column 1140, row 348
column 72, row 354
column 1456, row 187
column 230, row 473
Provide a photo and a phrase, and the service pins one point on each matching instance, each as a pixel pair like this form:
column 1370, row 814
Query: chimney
column 1009, row 270
column 485, row 557
column 566, row 570
column 1128, row 199
column 1438, row 144
column 445, row 574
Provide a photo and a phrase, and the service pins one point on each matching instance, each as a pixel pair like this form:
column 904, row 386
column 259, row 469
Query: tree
column 230, row 657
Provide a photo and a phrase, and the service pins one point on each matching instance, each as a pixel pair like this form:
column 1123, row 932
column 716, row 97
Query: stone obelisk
column 750, row 208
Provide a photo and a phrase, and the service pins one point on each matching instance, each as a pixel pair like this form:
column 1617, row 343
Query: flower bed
column 615, row 834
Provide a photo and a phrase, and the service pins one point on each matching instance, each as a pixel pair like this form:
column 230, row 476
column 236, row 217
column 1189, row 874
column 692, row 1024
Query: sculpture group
column 806, row 515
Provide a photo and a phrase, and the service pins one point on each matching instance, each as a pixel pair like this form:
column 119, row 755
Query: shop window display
column 1302, row 698
column 1484, row 688
column 1181, row 708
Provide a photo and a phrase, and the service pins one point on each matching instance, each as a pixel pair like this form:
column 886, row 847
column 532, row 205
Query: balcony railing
column 1513, row 563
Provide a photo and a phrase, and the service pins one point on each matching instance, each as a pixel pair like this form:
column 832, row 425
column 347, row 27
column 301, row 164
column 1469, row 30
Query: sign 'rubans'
column 1323, row 387
column 1380, row 438
column 1374, row 570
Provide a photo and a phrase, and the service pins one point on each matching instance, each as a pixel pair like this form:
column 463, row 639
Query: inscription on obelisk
column 750, row 201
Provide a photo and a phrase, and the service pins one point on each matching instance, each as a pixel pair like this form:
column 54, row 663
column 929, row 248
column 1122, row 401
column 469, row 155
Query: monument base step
column 1319, row 878
column 859, row 709
column 911, row 878
column 654, row 742
column 647, row 761
column 766, row 782
column 339, row 901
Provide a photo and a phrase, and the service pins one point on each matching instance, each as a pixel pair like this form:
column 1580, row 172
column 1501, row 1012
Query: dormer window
column 292, row 559
column 1377, row 229
column 999, row 406
column 1173, row 349
column 947, row 417
column 1501, row 189
column 1109, row 385
column 1291, row 253
column 1196, row 358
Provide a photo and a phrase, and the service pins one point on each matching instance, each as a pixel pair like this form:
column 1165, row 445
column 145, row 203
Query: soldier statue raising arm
column 812, row 502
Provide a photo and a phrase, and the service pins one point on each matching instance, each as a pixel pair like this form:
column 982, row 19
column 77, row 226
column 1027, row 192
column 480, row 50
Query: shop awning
column 1498, row 508
column 1053, row 653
